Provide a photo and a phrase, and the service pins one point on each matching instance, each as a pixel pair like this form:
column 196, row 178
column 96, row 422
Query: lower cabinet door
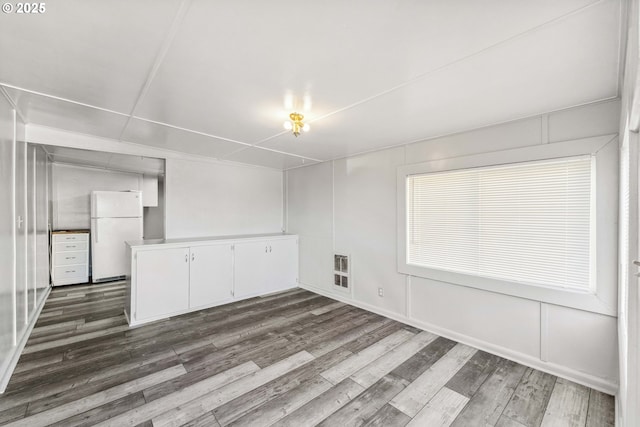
column 211, row 275
column 283, row 265
column 250, row 269
column 162, row 282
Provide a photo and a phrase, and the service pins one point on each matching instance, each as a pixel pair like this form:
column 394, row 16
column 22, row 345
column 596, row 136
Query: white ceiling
column 211, row 78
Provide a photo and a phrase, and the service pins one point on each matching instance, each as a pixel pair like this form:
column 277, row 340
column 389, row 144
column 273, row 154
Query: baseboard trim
column 588, row 380
column 17, row 350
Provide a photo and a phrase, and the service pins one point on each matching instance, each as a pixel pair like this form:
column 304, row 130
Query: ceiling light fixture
column 295, row 124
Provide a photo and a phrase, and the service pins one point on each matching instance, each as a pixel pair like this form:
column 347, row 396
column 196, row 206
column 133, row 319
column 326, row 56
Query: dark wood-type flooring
column 290, row 359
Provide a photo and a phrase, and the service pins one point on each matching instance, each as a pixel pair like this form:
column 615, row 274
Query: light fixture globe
column 296, row 125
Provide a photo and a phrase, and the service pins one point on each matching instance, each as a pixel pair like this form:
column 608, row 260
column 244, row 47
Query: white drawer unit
column 67, row 236
column 71, row 246
column 69, row 257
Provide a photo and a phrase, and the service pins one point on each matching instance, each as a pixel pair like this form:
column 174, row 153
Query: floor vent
column 341, row 271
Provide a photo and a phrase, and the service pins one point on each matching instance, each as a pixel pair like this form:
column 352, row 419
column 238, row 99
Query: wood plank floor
column 290, row 359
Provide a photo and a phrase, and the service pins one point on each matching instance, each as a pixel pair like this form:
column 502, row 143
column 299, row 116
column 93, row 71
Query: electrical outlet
column 380, row 292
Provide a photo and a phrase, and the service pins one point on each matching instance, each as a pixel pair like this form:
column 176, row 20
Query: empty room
column 338, row 213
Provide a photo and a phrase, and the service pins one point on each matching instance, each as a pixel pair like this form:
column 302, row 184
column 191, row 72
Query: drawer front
column 70, row 237
column 68, row 271
column 68, row 258
column 71, row 246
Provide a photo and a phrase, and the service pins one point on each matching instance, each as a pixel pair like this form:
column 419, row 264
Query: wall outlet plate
column 380, row 292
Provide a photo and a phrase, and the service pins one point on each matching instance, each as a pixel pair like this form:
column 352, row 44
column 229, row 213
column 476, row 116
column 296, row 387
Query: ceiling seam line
column 239, row 150
column 58, row 98
column 246, row 145
column 192, row 131
column 189, row 156
column 162, row 52
column 440, row 68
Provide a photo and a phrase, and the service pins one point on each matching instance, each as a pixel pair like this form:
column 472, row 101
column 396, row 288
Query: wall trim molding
column 8, row 369
column 588, row 380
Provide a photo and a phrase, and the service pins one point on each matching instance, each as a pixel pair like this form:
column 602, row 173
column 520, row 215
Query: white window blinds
column 525, row 222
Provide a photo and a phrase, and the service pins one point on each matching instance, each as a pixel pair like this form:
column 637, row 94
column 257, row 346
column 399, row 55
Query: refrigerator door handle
column 96, row 230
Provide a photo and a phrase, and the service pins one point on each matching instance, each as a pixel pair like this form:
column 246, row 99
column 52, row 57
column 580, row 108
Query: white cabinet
column 283, row 265
column 69, row 257
column 162, row 283
column 149, row 191
column 174, row 277
column 266, row 266
column 211, row 275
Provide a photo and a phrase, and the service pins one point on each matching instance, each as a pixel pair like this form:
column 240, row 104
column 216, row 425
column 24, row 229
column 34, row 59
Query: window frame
column 603, row 299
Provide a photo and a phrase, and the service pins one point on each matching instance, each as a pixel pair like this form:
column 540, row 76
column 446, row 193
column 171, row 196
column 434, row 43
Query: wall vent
column 341, row 271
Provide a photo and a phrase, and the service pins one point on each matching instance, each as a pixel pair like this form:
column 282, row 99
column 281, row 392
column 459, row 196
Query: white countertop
column 189, row 240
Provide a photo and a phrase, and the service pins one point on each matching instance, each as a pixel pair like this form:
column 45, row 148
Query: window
column 537, row 222
column 526, row 222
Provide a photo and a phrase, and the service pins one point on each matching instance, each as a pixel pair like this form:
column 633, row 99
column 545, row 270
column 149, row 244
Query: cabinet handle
column 193, row 257
column 71, row 246
column 69, row 271
column 265, row 249
column 70, row 257
column 186, row 258
column 269, row 248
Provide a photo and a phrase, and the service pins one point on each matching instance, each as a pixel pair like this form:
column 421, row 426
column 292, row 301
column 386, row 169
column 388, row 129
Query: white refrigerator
column 116, row 216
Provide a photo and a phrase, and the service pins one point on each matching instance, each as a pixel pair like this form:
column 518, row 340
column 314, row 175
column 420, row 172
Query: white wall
column 349, row 205
column 23, row 252
column 628, row 402
column 207, row 199
column 42, row 220
column 154, row 216
column 71, row 192
column 201, row 200
column 22, row 313
column 7, row 260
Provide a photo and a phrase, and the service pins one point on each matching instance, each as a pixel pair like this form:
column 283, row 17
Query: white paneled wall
column 485, row 316
column 350, row 205
column 580, row 339
column 365, row 224
column 209, row 199
column 24, row 264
